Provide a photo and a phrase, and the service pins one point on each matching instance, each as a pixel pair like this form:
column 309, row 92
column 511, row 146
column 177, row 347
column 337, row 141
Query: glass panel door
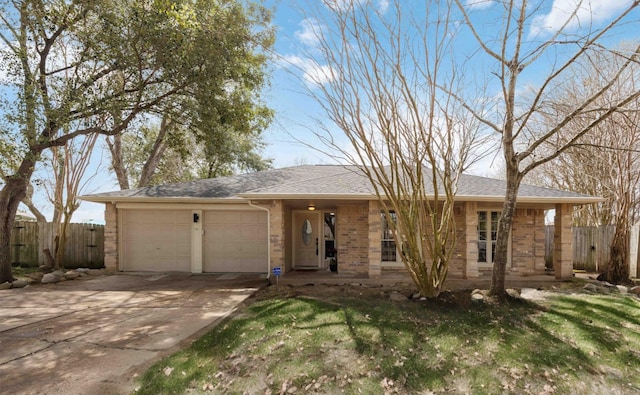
column 487, row 235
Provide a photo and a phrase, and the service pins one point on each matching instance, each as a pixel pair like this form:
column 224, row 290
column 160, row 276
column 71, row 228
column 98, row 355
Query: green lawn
column 353, row 342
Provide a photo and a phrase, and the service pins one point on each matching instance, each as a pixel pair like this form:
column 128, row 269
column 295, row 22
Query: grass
column 23, row 271
column 343, row 341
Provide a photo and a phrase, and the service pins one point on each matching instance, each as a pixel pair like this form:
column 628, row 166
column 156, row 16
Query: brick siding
column 352, row 230
column 111, row 237
column 527, row 242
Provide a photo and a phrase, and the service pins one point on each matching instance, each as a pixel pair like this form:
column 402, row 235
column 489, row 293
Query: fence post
column 634, row 236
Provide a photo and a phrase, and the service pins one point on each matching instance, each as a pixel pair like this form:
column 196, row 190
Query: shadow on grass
column 418, row 346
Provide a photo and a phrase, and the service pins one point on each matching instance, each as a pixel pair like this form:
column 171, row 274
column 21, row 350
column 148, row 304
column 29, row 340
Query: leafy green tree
column 80, row 67
column 216, row 127
column 179, row 155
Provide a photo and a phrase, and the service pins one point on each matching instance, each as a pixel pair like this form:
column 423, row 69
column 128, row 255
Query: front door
column 306, row 240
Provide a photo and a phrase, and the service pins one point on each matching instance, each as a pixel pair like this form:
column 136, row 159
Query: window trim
column 384, row 228
column 490, row 252
column 490, row 237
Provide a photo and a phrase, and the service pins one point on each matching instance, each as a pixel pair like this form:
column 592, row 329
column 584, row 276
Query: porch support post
column 276, row 240
column 197, row 234
column 111, row 261
column 471, row 240
column 563, row 240
column 375, row 240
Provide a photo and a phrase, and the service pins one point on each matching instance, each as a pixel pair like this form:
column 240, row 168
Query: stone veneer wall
column 277, row 239
column 527, row 242
column 470, row 234
column 352, row 230
column 457, row 266
column 563, row 242
column 375, row 239
column 111, row 237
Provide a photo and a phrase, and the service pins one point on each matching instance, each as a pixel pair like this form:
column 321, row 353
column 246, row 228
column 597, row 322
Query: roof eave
column 148, row 199
column 242, row 198
column 315, row 196
column 575, row 200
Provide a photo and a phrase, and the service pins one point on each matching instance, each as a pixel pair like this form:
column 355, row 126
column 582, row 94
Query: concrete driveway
column 95, row 336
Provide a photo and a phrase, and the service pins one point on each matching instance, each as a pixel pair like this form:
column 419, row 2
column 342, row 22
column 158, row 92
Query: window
column 330, row 235
column 487, row 235
column 388, row 247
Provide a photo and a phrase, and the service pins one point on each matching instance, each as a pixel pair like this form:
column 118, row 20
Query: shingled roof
column 318, row 182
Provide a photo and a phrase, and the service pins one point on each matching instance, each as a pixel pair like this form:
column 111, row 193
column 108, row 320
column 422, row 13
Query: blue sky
column 296, row 25
column 295, row 110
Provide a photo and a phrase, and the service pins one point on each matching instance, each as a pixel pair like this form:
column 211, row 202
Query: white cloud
column 587, row 13
column 310, row 32
column 313, row 73
column 383, row 6
column 479, row 4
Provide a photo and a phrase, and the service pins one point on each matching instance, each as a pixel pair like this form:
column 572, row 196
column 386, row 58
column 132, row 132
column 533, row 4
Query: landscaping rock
column 50, row 278
column 513, row 293
column 58, row 273
column 5, row 285
column 477, row 297
column 36, row 276
column 82, row 270
column 483, row 292
column 635, row 290
column 397, row 297
column 19, row 283
column 532, row 294
column 622, row 289
column 71, row 275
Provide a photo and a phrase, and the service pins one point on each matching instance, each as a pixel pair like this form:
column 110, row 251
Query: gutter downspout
column 268, row 237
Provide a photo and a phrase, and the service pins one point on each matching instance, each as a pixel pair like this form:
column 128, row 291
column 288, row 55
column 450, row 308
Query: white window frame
column 386, row 236
column 491, row 235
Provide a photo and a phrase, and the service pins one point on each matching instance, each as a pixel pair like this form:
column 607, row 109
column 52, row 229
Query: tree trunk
column 117, row 163
column 14, row 190
column 157, row 152
column 617, row 268
column 58, row 247
column 5, row 244
column 50, row 261
column 28, row 201
column 504, row 230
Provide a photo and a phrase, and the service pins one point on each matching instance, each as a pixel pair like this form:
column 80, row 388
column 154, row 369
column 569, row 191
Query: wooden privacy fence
column 590, row 246
column 24, row 244
column 84, row 247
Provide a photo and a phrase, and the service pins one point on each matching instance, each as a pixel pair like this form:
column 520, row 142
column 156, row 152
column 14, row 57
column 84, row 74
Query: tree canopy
column 73, row 68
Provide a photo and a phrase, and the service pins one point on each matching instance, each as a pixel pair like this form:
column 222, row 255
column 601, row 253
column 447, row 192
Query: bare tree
column 527, row 58
column 68, row 180
column 381, row 87
column 605, row 162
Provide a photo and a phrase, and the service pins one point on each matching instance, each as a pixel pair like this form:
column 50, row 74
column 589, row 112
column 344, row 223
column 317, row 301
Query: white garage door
column 156, row 240
column 235, row 241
